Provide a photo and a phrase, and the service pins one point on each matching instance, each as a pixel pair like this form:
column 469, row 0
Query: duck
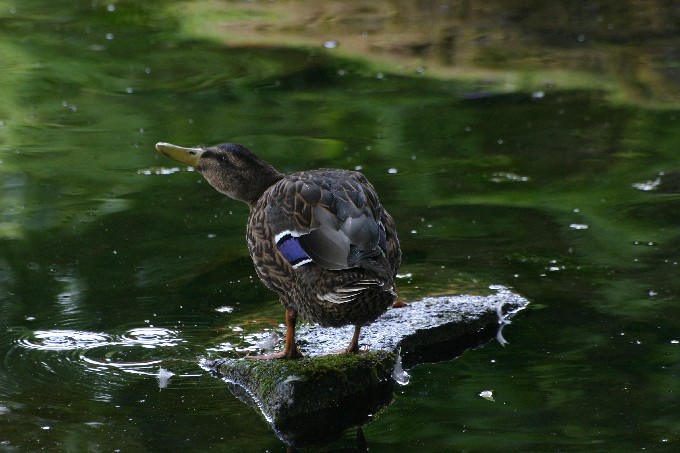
column 320, row 239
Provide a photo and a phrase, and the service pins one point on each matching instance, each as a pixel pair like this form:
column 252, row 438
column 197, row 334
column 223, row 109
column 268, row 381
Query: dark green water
column 114, row 263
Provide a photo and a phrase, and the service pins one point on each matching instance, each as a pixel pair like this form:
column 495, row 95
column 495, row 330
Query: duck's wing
column 330, row 217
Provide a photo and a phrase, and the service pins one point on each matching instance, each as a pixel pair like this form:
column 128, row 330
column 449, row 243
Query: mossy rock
column 313, row 400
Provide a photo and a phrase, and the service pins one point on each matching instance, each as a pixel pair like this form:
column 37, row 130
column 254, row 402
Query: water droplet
column 392, row 171
column 330, row 44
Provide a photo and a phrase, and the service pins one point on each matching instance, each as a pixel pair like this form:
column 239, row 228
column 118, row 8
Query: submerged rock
column 313, row 400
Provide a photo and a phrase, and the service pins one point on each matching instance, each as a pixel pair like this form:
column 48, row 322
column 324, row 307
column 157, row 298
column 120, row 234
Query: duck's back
column 323, row 235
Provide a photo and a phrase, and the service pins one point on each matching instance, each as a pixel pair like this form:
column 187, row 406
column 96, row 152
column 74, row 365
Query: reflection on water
column 570, row 199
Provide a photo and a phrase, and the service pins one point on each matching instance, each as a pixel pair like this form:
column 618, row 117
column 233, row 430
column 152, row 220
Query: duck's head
column 230, row 168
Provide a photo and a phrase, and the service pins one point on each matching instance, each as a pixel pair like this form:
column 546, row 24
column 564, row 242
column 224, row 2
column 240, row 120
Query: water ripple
column 151, row 337
column 68, row 340
column 64, row 340
column 105, row 358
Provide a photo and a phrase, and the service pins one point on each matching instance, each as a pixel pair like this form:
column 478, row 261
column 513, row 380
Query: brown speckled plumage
column 342, row 251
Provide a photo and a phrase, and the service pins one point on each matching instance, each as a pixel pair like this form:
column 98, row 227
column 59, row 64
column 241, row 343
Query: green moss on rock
column 310, row 400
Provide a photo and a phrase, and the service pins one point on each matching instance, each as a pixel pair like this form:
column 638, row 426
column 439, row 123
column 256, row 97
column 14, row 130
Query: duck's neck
column 263, row 180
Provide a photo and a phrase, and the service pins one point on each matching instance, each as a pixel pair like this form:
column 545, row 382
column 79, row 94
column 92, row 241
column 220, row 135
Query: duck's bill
column 188, row 156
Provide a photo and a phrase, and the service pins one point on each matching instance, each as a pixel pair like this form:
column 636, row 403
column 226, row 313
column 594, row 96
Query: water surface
column 118, row 268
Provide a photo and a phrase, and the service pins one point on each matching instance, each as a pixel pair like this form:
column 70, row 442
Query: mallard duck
column 319, row 238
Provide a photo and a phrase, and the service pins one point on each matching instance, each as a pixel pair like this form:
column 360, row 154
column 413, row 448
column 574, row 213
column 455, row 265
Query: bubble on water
column 578, row 226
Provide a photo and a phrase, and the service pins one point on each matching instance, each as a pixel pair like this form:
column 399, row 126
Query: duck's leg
column 290, row 349
column 353, row 347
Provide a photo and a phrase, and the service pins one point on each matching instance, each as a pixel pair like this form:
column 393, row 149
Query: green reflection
column 565, row 196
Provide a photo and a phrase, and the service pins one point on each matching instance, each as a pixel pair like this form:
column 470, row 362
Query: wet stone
column 312, row 401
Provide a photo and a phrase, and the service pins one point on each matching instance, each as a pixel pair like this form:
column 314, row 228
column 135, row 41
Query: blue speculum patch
column 292, row 251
